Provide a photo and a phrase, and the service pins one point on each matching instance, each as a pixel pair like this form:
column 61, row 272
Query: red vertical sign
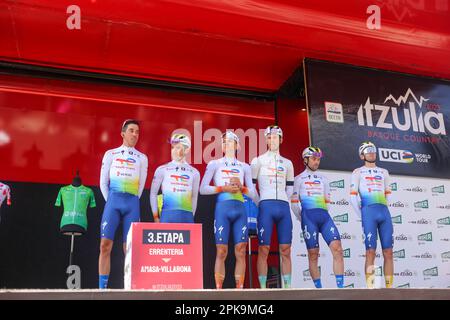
column 164, row 256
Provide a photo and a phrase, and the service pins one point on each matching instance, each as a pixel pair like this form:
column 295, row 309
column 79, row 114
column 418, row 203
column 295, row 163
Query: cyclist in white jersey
column 310, row 205
column 122, row 181
column 275, row 177
column 179, row 182
column 232, row 178
column 371, row 184
column 5, row 193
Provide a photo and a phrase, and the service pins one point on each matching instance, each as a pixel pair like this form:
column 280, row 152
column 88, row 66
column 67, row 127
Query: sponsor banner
column 407, row 117
column 164, row 256
column 421, row 224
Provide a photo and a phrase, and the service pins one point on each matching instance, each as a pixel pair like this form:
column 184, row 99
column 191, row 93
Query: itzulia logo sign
column 414, row 118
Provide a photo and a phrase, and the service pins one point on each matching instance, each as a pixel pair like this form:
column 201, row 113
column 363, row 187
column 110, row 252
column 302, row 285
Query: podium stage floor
column 230, row 294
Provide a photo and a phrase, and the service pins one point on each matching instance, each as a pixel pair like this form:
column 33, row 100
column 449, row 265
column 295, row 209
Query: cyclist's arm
column 143, row 174
column 354, row 192
column 104, row 174
column 195, row 187
column 205, row 188
column 156, row 184
column 290, row 180
column 249, row 188
column 327, row 194
column 255, row 166
column 8, row 196
column 387, row 187
column 295, row 198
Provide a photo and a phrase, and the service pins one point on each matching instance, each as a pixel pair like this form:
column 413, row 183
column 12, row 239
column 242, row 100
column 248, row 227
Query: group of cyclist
column 268, row 181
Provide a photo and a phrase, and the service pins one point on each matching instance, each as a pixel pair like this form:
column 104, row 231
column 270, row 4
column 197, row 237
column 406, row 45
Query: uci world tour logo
column 395, row 155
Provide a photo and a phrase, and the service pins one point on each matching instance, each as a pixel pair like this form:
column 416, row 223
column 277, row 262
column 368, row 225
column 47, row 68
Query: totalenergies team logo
column 313, row 183
column 277, row 170
column 128, row 161
column 374, row 178
column 180, row 178
column 231, row 172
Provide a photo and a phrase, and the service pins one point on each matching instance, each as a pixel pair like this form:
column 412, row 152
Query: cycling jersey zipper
column 75, row 204
column 276, row 177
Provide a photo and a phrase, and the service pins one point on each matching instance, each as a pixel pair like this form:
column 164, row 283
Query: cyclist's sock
column 262, row 281
column 370, row 280
column 389, row 281
column 219, row 280
column 339, row 280
column 287, row 280
column 103, row 281
column 239, row 279
column 317, row 283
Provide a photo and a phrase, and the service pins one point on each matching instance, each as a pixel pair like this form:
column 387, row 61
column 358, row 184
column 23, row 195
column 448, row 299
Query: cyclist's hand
column 231, row 189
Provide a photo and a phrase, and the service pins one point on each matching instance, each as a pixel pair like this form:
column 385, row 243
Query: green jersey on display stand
column 75, row 201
